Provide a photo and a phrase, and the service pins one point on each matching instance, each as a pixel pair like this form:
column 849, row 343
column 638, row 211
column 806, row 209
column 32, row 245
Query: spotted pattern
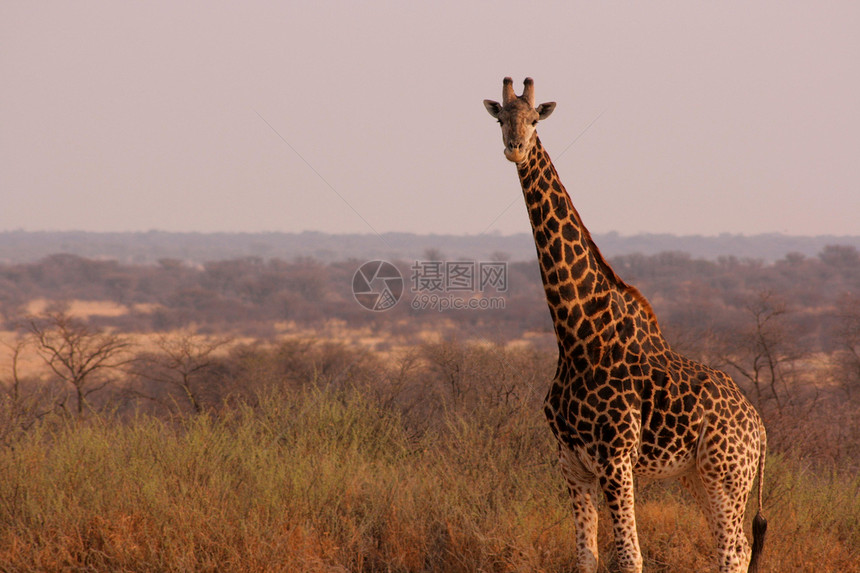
column 622, row 402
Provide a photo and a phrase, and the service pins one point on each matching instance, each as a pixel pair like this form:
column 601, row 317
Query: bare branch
column 78, row 355
column 182, row 365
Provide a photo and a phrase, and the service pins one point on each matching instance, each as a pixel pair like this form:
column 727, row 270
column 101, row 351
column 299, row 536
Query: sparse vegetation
column 318, row 479
column 696, row 299
column 217, row 443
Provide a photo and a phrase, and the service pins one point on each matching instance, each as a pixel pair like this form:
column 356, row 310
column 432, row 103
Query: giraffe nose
column 515, row 152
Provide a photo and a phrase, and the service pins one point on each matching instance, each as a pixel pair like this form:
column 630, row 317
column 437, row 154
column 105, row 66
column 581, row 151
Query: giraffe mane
column 610, row 272
column 598, row 256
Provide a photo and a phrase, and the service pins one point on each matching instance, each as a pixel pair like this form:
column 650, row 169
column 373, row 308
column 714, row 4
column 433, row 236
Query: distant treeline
column 197, row 248
column 694, row 298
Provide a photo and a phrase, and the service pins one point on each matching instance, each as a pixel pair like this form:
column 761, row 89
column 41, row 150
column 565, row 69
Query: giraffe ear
column 493, row 107
column 545, row 109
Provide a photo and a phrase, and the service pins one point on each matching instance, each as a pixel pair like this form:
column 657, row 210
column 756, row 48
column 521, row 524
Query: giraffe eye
column 534, row 123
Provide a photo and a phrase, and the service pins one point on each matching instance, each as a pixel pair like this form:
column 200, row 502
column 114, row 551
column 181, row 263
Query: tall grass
column 330, row 480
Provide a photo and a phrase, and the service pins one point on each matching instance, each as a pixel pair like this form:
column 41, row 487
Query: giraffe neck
column 594, row 311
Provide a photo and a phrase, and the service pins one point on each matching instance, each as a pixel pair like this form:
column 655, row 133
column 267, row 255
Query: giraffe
column 622, row 402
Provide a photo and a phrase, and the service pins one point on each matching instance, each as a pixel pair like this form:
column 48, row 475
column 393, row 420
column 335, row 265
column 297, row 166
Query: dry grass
column 87, row 308
column 330, row 481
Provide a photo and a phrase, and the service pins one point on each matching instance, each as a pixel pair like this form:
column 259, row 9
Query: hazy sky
column 738, row 117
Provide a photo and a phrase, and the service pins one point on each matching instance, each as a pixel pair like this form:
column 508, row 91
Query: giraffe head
column 518, row 117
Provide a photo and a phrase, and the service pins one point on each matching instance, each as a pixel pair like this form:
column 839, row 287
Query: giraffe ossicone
column 622, row 402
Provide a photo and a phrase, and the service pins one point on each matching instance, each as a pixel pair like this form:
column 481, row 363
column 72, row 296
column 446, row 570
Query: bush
column 328, row 479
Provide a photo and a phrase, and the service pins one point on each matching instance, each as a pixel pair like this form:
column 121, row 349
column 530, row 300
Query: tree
column 21, row 404
column 183, row 363
column 847, row 357
column 83, row 357
column 763, row 354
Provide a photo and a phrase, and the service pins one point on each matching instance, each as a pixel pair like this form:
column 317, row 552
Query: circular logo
column 377, row 285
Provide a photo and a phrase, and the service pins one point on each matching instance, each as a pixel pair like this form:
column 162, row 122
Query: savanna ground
column 309, row 452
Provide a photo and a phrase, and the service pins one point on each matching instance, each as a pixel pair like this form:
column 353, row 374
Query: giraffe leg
column 584, row 500
column 726, row 528
column 584, row 495
column 693, row 484
column 617, row 484
column 725, row 479
column 727, row 525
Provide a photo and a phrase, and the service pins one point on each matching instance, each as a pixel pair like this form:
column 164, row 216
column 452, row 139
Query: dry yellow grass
column 87, row 308
column 329, row 481
column 331, row 330
column 323, row 480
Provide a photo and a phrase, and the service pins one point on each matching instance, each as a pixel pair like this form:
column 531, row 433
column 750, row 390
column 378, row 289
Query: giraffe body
column 622, row 402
